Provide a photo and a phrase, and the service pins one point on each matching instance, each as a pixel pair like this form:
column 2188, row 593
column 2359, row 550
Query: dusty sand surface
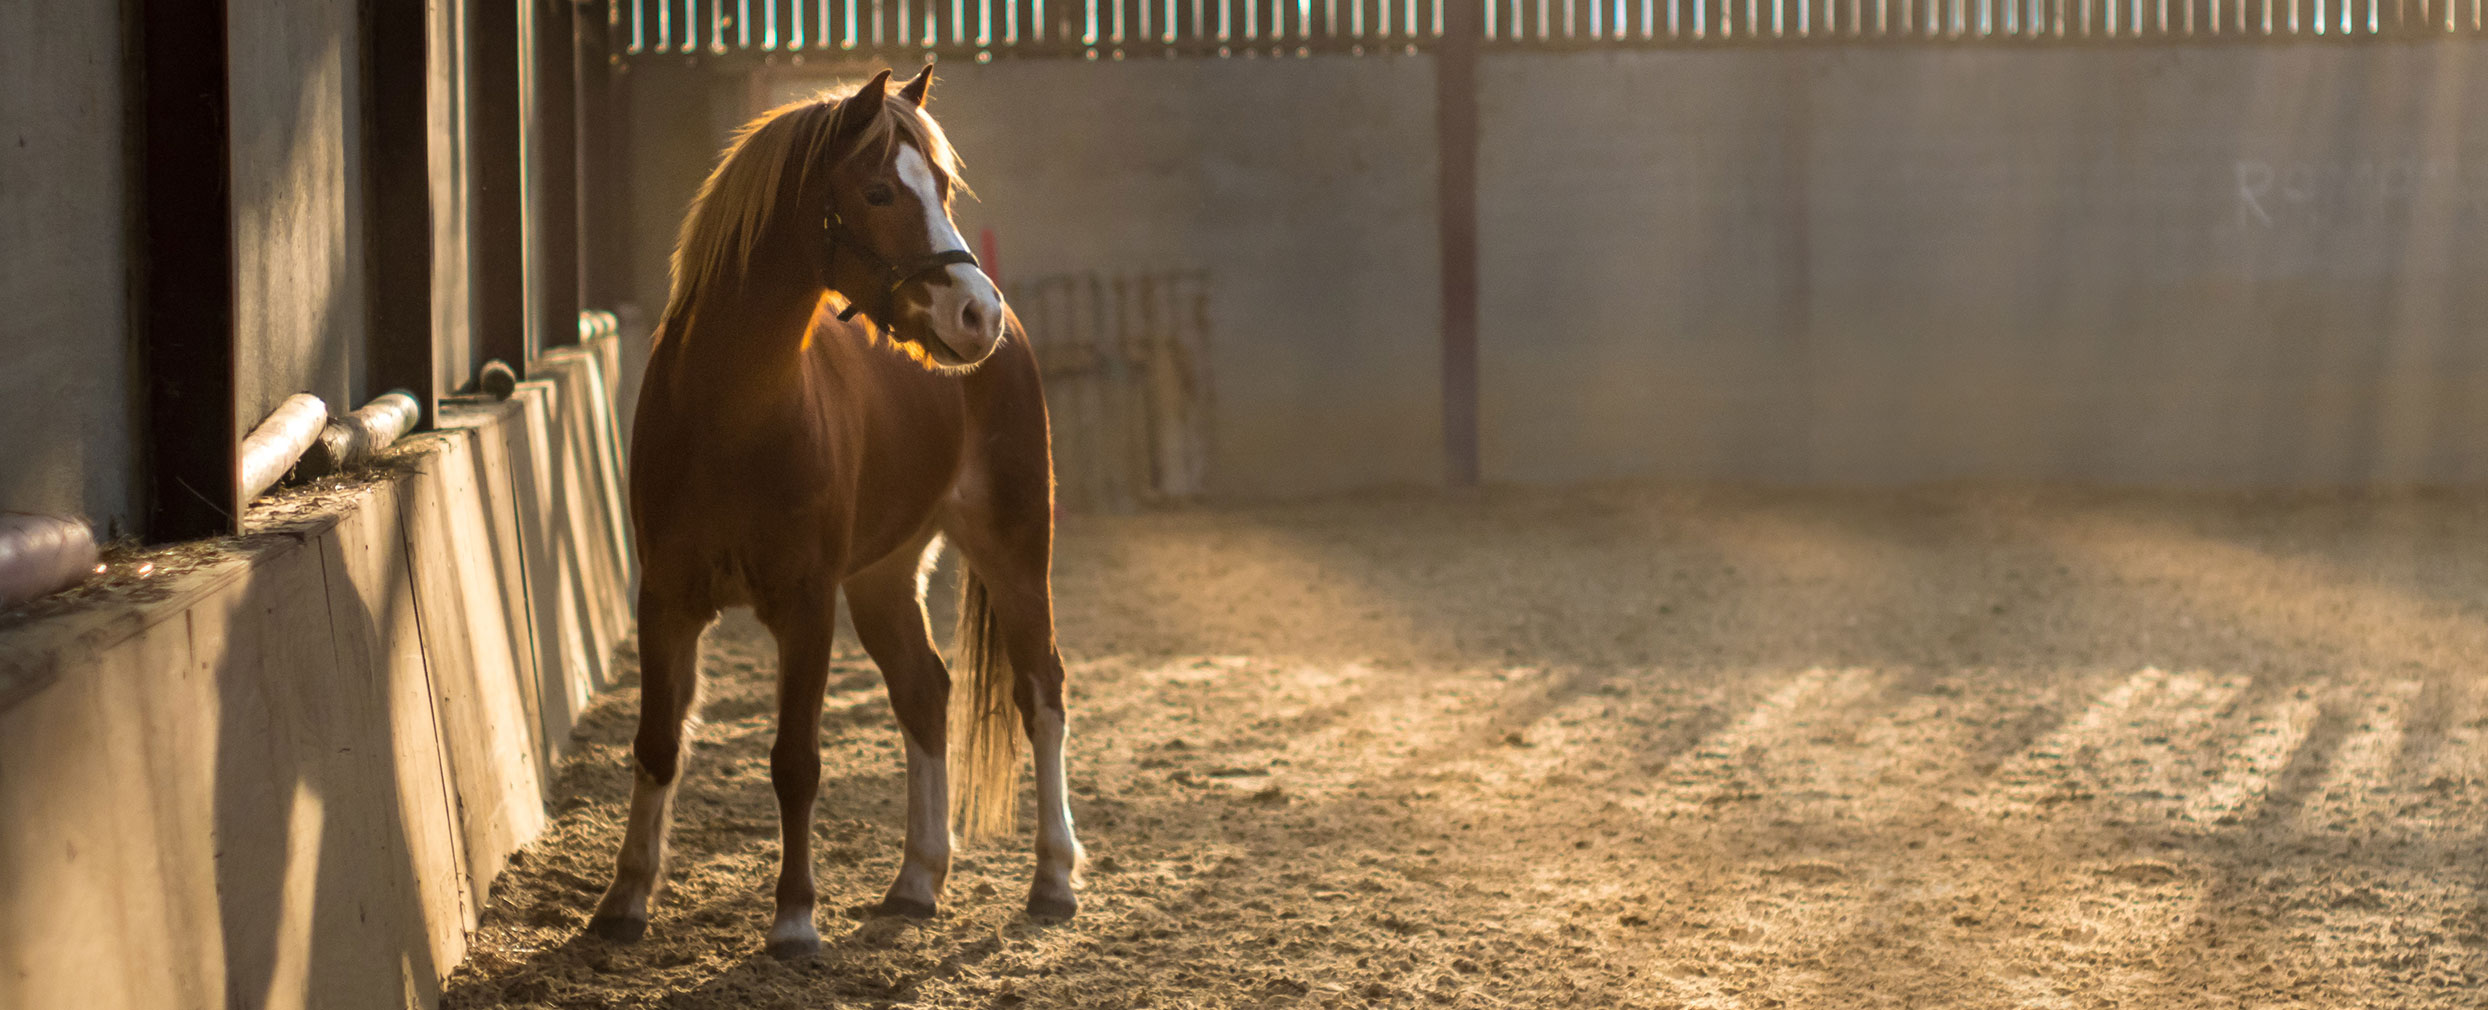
column 1647, row 748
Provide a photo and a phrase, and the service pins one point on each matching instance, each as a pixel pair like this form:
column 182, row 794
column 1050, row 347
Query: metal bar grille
column 1094, row 29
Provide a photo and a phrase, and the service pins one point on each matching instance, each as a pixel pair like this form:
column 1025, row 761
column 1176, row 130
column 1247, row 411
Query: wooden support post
column 186, row 276
column 398, row 202
column 1455, row 124
column 552, row 165
column 495, row 145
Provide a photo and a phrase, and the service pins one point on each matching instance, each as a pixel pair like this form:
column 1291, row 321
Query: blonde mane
column 740, row 197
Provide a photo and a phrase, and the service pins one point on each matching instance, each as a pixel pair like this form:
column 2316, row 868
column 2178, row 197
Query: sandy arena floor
column 1646, row 748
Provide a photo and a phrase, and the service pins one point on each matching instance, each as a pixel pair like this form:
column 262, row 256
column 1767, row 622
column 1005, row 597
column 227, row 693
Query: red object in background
column 989, row 255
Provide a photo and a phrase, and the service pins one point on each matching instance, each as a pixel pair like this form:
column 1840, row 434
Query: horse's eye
column 879, row 196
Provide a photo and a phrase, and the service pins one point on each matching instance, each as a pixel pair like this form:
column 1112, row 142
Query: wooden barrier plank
column 592, row 504
column 476, row 645
column 563, row 639
column 372, row 605
column 304, row 846
column 109, row 862
column 603, row 444
column 159, row 847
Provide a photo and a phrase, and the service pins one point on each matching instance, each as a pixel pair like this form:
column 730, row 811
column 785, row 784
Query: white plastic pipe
column 41, row 555
column 594, row 323
column 387, row 418
column 273, row 447
column 352, row 440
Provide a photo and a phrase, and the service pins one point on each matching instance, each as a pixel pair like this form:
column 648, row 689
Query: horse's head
column 888, row 245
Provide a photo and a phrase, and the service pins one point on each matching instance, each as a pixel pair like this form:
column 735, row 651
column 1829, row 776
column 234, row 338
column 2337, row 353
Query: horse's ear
column 866, row 105
column 915, row 89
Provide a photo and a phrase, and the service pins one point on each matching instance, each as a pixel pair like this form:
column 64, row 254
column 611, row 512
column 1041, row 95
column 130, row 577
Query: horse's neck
column 750, row 328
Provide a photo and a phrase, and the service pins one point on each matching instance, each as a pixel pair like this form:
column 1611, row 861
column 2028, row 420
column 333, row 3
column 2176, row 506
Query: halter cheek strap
column 835, row 233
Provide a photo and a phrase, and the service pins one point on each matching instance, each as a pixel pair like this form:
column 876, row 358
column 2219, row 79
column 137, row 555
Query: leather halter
column 834, row 232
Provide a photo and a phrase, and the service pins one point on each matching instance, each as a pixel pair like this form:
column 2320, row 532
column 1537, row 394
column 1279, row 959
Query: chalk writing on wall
column 2298, row 193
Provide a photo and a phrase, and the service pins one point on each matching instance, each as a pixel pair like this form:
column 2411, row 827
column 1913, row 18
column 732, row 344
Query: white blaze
column 964, row 286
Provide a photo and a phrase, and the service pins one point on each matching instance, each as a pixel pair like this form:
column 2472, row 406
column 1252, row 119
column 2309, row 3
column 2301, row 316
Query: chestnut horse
column 786, row 450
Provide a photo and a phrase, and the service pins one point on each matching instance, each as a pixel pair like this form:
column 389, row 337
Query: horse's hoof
column 618, row 928
column 1052, row 908
column 795, row 949
column 907, row 907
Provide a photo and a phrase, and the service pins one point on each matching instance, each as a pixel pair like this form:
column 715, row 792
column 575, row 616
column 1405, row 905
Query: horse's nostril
column 972, row 316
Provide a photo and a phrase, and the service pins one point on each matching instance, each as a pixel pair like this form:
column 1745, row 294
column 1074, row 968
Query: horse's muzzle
column 963, row 322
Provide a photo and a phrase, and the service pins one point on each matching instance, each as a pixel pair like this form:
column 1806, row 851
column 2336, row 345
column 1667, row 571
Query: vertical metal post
column 398, row 202
column 186, row 277
column 495, row 145
column 553, row 171
column 1455, row 126
column 604, row 256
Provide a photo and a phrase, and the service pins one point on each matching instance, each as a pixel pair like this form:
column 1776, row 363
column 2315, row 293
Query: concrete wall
column 67, row 359
column 296, row 80
column 2223, row 265
column 2220, row 265
column 283, row 771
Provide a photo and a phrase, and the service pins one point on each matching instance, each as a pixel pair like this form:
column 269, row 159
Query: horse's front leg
column 803, row 634
column 669, row 654
column 889, row 621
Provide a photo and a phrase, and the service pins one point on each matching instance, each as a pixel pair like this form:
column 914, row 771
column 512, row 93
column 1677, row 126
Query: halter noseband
column 834, row 231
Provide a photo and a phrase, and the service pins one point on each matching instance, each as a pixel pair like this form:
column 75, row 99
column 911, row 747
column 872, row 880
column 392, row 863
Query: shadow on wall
column 308, row 729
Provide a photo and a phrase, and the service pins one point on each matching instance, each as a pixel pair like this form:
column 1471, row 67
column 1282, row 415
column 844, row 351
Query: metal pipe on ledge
column 351, row 441
column 272, row 448
column 595, row 323
column 41, row 555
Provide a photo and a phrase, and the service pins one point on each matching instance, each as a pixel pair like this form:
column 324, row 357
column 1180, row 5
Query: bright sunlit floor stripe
column 2358, row 790
column 2273, row 736
column 2164, row 752
column 1765, row 747
column 2135, row 746
column 2024, row 782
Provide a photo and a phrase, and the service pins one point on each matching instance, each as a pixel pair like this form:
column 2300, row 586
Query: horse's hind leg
column 803, row 629
column 669, row 648
column 1013, row 561
column 889, row 618
column 1027, row 621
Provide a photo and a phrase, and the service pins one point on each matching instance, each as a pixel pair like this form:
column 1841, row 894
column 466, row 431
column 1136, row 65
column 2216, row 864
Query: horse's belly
column 891, row 515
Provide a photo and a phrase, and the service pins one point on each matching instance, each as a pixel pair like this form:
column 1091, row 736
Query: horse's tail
column 984, row 733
